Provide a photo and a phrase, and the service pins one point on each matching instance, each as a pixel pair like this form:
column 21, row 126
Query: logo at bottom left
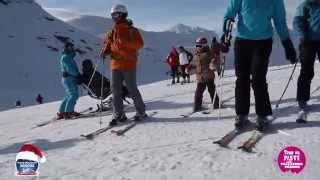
column 28, row 160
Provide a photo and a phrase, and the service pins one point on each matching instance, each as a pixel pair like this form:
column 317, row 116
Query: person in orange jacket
column 122, row 45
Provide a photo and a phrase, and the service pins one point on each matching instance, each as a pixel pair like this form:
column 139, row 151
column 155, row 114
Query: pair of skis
column 248, row 145
column 131, row 124
column 86, row 111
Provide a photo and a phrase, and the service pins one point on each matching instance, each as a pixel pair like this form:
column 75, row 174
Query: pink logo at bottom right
column 291, row 159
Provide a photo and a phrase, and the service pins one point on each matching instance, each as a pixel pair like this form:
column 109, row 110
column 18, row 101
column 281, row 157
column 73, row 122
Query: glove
column 224, row 46
column 65, row 74
column 79, row 79
column 290, row 52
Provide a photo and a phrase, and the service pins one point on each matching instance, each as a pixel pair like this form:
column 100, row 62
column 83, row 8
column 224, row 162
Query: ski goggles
column 116, row 15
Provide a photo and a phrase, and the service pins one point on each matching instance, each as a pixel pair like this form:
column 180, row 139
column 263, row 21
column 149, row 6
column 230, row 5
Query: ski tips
column 246, row 149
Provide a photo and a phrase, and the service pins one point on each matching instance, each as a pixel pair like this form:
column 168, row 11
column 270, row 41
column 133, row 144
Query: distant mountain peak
column 185, row 29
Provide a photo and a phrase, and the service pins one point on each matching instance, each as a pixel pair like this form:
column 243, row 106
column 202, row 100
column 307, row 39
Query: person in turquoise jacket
column 252, row 49
column 307, row 25
column 70, row 80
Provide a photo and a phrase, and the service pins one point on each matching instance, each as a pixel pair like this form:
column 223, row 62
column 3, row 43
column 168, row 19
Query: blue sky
column 155, row 15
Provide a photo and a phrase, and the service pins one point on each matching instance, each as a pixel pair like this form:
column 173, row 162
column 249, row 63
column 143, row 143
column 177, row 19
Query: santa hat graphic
column 31, row 152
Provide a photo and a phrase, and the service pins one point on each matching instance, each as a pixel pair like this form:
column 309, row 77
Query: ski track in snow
column 167, row 147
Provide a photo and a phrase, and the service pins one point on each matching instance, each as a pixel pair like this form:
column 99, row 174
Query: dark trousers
column 184, row 73
column 308, row 52
column 175, row 74
column 252, row 59
column 201, row 87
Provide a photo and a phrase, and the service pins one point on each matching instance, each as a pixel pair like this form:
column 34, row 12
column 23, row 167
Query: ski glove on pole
column 290, row 52
column 224, row 46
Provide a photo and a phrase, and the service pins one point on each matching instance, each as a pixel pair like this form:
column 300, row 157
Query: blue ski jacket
column 254, row 18
column 68, row 65
column 307, row 20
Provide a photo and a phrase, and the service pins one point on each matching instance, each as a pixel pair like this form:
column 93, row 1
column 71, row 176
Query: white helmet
column 119, row 8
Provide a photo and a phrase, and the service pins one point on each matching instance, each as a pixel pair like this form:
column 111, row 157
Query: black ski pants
column 201, row 87
column 175, row 74
column 251, row 66
column 308, row 52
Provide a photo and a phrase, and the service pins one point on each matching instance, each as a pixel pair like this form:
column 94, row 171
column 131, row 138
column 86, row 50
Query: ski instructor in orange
column 122, row 44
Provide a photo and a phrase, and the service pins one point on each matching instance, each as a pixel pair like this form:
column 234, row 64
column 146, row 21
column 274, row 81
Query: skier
column 253, row 45
column 39, row 99
column 123, row 44
column 18, row 104
column 173, row 62
column 70, row 80
column 184, row 63
column 307, row 25
column 202, row 61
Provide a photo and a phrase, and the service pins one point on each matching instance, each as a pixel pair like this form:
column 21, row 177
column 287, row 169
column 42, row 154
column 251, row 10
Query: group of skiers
column 252, row 49
column 179, row 60
column 122, row 44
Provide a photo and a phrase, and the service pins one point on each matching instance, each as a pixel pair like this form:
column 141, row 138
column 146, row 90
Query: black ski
column 92, row 135
column 122, row 131
column 226, row 139
column 85, row 115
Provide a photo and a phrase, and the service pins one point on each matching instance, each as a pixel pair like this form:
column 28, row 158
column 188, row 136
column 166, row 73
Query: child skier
column 70, row 81
column 202, row 61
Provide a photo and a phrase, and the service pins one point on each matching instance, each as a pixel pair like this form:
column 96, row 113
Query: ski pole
column 101, row 93
column 94, row 71
column 221, row 85
column 285, row 89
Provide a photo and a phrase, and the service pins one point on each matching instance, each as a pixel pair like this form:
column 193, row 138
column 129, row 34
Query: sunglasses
column 199, row 46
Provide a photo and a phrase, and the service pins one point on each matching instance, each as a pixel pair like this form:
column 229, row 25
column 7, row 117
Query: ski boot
column 262, row 123
column 302, row 105
column 183, row 82
column 242, row 122
column 197, row 109
column 60, row 115
column 71, row 115
column 140, row 116
column 302, row 116
column 121, row 118
column 216, row 103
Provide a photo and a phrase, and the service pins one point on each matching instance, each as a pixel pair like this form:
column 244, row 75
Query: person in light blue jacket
column 307, row 25
column 70, row 81
column 252, row 47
